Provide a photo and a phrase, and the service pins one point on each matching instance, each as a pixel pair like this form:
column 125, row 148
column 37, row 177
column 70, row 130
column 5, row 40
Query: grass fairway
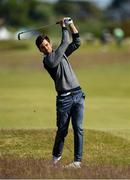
column 27, row 93
column 27, row 115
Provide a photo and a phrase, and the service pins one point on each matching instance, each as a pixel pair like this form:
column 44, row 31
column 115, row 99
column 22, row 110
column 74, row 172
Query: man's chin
column 48, row 52
column 45, row 52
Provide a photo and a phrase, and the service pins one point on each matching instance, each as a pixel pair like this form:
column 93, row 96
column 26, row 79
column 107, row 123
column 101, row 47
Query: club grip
column 58, row 22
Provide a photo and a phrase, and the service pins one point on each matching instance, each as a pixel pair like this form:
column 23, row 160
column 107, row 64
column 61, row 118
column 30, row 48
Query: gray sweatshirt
column 58, row 66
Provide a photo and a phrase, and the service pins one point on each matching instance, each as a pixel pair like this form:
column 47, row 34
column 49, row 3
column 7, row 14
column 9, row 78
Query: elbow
column 78, row 44
column 76, row 39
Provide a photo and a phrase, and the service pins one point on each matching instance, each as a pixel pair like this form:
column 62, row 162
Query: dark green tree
column 25, row 13
column 14, row 12
column 118, row 3
column 66, row 8
column 76, row 9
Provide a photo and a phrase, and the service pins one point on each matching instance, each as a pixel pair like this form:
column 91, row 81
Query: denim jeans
column 71, row 106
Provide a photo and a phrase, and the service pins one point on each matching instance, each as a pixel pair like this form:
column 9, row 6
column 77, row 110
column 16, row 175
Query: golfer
column 70, row 98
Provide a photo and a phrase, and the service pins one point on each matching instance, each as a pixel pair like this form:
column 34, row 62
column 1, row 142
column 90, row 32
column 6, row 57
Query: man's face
column 45, row 47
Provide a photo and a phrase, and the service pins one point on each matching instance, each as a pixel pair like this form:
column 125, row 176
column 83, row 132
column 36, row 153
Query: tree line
column 21, row 13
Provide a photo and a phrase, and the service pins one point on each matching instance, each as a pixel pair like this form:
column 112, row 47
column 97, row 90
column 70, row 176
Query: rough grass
column 27, row 154
column 30, row 168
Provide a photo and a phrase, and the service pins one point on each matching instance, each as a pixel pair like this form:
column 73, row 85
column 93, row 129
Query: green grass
column 99, row 147
column 27, row 97
column 28, row 117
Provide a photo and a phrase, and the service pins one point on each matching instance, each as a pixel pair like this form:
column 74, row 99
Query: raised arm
column 75, row 39
column 55, row 57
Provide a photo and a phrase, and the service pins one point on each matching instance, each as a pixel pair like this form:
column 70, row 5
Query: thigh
column 77, row 111
column 63, row 106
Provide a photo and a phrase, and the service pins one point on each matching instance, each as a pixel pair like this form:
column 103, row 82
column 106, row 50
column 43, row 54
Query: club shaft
column 42, row 27
column 36, row 29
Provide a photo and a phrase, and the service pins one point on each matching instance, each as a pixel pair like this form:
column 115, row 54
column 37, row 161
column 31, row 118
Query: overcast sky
column 100, row 3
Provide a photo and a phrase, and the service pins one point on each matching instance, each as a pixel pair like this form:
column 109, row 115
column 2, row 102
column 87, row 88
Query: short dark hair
column 40, row 39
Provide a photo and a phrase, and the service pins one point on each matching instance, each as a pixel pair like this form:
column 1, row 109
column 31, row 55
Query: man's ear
column 39, row 49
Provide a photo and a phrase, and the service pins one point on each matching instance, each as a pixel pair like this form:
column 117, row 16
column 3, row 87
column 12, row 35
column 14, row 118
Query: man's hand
column 65, row 21
column 68, row 21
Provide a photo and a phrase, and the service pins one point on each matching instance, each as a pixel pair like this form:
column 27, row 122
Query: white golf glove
column 68, row 21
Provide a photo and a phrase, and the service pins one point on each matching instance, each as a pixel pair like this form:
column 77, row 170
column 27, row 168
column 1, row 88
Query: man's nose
column 45, row 48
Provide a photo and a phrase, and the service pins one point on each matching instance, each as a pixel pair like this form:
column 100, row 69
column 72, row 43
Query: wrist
column 71, row 25
column 73, row 29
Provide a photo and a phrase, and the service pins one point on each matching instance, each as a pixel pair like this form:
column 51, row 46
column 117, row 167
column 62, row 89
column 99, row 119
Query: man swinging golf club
column 70, row 98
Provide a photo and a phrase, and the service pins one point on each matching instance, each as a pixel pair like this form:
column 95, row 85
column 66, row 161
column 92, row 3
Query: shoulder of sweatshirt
column 49, row 59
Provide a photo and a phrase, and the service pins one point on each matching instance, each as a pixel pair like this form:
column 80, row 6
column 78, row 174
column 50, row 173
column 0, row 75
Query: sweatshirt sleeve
column 74, row 45
column 54, row 58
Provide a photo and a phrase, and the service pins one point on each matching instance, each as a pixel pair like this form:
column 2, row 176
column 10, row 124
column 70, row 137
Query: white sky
column 102, row 3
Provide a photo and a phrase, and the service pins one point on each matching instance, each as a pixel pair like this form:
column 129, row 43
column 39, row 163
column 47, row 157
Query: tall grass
column 27, row 154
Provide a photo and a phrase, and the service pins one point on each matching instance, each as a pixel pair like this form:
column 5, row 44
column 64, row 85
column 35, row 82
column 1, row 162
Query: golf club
column 37, row 29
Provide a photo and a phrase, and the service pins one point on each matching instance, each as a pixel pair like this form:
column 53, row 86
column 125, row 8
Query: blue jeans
column 71, row 106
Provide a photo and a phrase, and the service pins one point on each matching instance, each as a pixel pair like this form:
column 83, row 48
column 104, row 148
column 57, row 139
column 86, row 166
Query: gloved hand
column 68, row 21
